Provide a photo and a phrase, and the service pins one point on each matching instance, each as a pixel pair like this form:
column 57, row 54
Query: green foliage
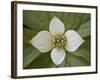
column 35, row 21
column 84, row 29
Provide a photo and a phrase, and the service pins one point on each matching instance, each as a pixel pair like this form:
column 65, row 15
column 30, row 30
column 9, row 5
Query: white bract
column 57, row 41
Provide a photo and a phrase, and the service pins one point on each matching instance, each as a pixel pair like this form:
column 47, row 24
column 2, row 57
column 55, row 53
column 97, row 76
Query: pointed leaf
column 84, row 29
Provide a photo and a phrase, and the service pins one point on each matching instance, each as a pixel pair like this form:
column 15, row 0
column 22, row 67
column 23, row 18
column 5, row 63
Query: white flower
column 57, row 41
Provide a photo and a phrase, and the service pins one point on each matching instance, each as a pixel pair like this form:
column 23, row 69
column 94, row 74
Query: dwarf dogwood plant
column 57, row 40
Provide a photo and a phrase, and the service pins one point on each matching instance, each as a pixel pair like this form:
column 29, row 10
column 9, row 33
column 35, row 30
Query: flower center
column 59, row 41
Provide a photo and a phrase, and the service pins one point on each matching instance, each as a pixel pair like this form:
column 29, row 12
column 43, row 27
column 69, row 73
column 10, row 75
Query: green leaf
column 82, row 53
column 84, row 29
column 28, row 34
column 42, row 61
column 73, row 20
column 73, row 60
column 36, row 21
column 30, row 54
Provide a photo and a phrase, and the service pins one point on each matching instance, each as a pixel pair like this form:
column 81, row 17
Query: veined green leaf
column 76, row 61
column 30, row 54
column 84, row 29
column 27, row 34
column 42, row 61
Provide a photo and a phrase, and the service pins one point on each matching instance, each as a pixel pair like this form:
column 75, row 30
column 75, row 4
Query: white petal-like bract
column 73, row 40
column 43, row 41
column 57, row 55
column 56, row 26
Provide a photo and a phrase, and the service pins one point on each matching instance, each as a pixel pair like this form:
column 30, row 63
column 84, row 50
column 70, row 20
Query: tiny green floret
column 59, row 41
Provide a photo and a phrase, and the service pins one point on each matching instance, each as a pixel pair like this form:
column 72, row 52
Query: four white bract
column 57, row 40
